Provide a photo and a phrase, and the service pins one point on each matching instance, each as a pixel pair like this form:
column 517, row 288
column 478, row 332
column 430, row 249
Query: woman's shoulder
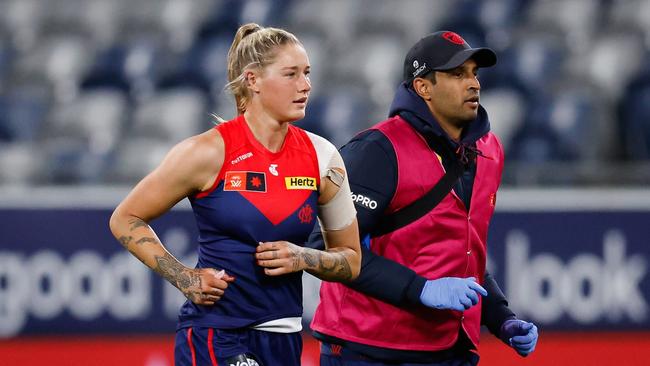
column 320, row 143
column 207, row 143
column 200, row 151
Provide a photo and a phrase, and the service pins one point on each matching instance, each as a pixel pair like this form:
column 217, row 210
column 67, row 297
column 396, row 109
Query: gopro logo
column 364, row 201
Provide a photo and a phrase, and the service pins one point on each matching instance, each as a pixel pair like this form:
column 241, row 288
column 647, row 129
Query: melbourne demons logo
column 453, row 38
column 306, row 214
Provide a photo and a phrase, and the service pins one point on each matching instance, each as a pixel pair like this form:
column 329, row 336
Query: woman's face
column 283, row 87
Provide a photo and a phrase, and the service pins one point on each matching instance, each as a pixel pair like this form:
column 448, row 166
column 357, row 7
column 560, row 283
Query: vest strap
column 421, row 206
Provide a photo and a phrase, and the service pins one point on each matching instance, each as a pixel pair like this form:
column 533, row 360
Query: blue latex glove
column 520, row 335
column 451, row 293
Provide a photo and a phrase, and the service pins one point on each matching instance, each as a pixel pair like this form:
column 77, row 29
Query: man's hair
column 431, row 77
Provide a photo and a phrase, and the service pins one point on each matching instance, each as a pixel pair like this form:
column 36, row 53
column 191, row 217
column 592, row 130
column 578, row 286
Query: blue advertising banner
column 574, row 270
column 61, row 271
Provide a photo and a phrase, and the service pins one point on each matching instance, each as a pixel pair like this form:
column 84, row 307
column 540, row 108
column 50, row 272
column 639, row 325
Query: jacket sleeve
column 372, row 168
column 495, row 308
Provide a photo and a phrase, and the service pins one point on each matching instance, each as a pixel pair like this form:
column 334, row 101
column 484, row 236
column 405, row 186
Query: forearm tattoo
column 146, row 240
column 136, row 223
column 173, row 271
column 295, row 258
column 329, row 265
column 125, row 241
column 310, row 259
column 167, row 266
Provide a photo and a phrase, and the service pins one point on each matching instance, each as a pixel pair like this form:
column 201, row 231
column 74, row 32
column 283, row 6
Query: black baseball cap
column 443, row 50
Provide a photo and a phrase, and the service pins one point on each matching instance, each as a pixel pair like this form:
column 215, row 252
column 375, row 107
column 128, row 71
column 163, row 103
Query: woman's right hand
column 204, row 286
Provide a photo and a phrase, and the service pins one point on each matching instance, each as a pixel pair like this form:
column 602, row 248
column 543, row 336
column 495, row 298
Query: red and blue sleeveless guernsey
column 449, row 241
column 258, row 196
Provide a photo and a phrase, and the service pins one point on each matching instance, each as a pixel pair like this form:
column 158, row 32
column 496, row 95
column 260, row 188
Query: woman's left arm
column 341, row 259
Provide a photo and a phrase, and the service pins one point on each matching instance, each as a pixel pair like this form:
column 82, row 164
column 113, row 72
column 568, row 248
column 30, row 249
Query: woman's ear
column 250, row 76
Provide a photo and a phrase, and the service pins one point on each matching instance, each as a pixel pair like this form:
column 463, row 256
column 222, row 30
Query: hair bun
column 248, row 29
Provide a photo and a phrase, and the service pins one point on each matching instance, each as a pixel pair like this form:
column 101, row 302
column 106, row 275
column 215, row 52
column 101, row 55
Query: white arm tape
column 339, row 212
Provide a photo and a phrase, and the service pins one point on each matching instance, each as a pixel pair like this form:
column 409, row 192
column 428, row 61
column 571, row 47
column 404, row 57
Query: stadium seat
column 376, row 60
column 501, row 14
column 634, row 114
column 606, row 67
column 22, row 20
column 135, row 158
column 537, row 57
column 206, row 63
column 534, row 145
column 96, row 119
column 60, row 59
column 576, row 19
column 80, row 137
column 22, row 112
column 579, row 119
column 630, row 13
column 408, row 19
column 507, row 109
column 181, row 19
column 156, row 69
column 170, row 115
column 341, row 114
column 131, row 67
column 334, row 18
column 68, row 161
column 20, row 163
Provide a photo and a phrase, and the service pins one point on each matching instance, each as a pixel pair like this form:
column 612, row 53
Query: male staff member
column 423, row 292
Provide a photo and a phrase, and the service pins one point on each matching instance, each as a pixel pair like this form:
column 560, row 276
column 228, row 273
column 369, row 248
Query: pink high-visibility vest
column 449, row 241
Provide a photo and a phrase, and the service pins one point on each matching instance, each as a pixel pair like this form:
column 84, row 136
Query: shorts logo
column 300, row 183
column 364, row 201
column 336, row 349
column 242, row 360
column 245, row 181
column 306, row 214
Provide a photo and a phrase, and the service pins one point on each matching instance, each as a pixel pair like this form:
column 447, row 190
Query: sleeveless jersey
column 258, row 196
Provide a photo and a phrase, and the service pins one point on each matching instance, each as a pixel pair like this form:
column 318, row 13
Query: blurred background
column 93, row 93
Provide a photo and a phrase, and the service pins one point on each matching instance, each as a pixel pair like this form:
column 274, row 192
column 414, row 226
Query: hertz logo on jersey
column 301, row 183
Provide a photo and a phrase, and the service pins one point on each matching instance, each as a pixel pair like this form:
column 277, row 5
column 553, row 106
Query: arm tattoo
column 295, row 259
column 344, row 271
column 331, row 265
column 146, row 240
column 136, row 223
column 174, row 272
column 125, row 241
column 310, row 259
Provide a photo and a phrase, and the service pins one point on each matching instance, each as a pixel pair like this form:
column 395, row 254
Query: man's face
column 455, row 95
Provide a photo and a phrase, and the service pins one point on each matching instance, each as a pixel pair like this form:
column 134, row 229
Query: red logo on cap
column 453, row 37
